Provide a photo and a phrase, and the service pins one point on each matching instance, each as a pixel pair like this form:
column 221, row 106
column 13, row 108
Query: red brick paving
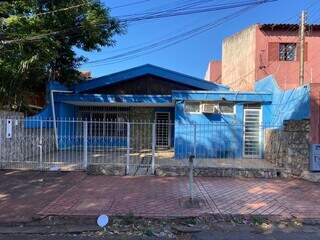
column 164, row 197
column 142, row 196
column 24, row 195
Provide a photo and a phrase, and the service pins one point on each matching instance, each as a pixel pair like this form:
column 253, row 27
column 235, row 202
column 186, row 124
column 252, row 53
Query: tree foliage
column 38, row 39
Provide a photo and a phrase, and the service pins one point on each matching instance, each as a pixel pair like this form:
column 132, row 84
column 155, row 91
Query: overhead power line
column 173, row 40
column 130, row 4
column 241, row 79
column 147, row 16
column 188, row 11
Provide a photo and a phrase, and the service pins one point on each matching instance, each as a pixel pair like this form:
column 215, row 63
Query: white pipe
column 54, row 114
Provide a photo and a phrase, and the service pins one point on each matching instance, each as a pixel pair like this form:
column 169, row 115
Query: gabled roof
column 144, row 70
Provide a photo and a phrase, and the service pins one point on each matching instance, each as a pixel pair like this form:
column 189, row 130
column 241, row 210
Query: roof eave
column 144, row 70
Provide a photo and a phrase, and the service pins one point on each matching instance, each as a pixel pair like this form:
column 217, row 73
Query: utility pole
column 302, row 44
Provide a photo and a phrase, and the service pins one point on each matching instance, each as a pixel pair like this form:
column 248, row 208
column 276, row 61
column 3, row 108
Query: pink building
column 265, row 49
column 271, row 49
column 213, row 73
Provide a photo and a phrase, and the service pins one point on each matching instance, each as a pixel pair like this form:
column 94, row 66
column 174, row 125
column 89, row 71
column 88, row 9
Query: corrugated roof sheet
column 287, row 26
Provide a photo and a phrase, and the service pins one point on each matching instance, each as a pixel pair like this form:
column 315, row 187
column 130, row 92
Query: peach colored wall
column 238, row 60
column 213, row 73
column 286, row 72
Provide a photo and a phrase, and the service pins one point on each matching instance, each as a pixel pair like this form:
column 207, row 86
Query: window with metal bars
column 105, row 121
column 192, row 107
column 287, row 51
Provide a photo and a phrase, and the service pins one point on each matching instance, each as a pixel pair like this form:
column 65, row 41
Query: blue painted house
column 191, row 115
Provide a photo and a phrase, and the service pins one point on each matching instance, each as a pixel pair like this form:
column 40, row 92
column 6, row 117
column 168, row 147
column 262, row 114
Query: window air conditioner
column 209, row 108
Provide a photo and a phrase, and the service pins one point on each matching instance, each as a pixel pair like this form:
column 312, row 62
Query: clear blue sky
column 191, row 56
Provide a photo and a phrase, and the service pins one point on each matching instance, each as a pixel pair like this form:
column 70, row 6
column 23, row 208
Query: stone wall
column 288, row 148
column 178, row 171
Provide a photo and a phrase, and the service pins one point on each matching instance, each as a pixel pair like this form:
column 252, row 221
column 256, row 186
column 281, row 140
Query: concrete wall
column 8, row 114
column 238, row 60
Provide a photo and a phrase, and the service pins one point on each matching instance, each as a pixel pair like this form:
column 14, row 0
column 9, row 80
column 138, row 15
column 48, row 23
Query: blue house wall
column 205, row 135
column 292, row 104
column 214, row 135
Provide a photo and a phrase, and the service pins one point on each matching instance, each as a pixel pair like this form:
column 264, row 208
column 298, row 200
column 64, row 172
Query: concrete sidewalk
column 25, row 195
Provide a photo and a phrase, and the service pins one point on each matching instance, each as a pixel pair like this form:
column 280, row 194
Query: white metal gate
column 137, row 147
column 162, row 129
column 252, row 133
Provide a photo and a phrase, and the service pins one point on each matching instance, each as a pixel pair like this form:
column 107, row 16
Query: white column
column 153, row 147
column 40, row 143
column 128, row 148
column 85, row 144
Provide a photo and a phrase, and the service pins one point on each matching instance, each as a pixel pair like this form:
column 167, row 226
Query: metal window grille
column 227, row 108
column 192, row 106
column 105, row 120
column 287, row 51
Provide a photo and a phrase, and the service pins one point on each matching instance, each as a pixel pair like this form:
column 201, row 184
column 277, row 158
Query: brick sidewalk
column 165, row 197
column 25, row 195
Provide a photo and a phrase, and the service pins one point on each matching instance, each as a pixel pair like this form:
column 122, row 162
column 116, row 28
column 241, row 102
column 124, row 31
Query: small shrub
column 148, row 232
column 129, row 218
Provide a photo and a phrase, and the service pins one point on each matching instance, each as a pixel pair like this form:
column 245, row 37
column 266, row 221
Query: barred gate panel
column 72, row 144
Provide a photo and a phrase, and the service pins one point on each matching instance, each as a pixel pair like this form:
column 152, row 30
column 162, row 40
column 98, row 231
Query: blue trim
column 143, row 70
column 57, row 86
column 103, row 98
column 218, row 96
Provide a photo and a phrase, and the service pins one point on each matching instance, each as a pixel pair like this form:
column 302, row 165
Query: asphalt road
column 243, row 234
column 254, row 236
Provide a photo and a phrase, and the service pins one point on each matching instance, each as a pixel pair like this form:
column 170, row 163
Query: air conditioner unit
column 209, row 108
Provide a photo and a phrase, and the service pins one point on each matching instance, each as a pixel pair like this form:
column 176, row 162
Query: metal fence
column 72, row 144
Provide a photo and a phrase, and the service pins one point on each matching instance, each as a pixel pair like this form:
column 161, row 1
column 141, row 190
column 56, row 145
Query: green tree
column 38, row 39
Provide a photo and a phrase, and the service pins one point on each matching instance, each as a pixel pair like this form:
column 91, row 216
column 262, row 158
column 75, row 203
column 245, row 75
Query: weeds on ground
column 190, row 221
column 257, row 221
column 129, row 218
column 148, row 232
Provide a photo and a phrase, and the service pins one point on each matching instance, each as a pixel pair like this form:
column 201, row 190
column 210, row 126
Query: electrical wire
column 169, row 41
column 188, row 11
column 146, row 16
column 130, row 4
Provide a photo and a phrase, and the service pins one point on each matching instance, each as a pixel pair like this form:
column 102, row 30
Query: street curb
column 80, row 224
column 51, row 229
